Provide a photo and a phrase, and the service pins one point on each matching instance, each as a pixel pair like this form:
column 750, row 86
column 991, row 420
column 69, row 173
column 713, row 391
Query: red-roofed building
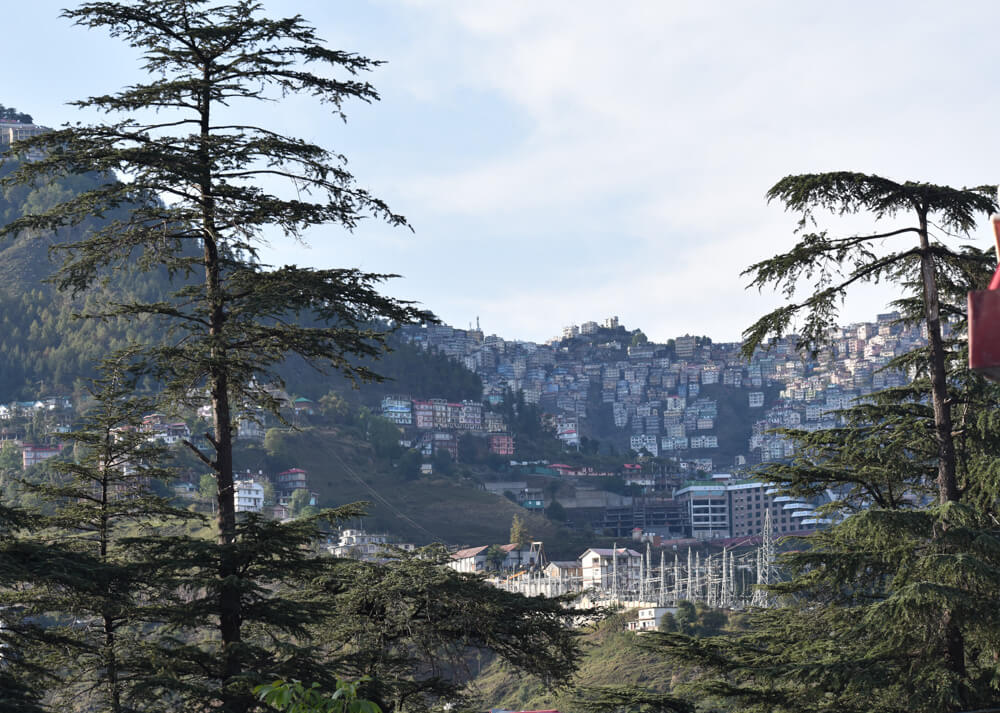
column 288, row 481
column 471, row 559
column 475, row 559
column 32, row 454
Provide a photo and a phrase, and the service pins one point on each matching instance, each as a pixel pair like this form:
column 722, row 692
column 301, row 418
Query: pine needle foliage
column 204, row 189
column 104, row 592
column 889, row 609
column 629, row 699
column 411, row 626
column 834, row 264
column 23, row 680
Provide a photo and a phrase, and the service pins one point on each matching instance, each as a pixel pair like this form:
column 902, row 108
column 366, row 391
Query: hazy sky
column 567, row 160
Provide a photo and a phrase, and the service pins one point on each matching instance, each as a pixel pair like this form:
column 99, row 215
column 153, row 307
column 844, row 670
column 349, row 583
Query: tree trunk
column 111, row 665
column 953, row 640
column 110, row 655
column 230, row 604
column 946, row 479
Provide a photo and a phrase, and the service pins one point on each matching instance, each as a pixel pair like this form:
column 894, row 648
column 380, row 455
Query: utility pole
column 614, row 572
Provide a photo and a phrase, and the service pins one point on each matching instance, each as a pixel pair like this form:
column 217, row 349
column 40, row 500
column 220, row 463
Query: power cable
column 378, row 496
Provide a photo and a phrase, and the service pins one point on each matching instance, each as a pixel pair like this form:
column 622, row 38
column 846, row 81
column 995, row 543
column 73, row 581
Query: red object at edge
column 984, row 323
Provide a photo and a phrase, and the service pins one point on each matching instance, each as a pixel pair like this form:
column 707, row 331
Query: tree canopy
column 412, row 623
column 12, row 114
column 200, row 181
column 887, row 608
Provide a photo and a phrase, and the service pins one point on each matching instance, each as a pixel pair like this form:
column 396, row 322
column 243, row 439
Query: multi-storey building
column 470, row 416
column 606, row 569
column 249, row 496
column 750, row 501
column 11, row 131
column 423, row 415
column 646, row 442
column 493, row 422
column 398, row 409
column 684, row 347
column 32, row 454
column 707, row 504
column 288, row 481
column 501, row 444
column 364, row 546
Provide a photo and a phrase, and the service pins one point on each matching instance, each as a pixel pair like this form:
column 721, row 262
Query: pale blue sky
column 566, row 160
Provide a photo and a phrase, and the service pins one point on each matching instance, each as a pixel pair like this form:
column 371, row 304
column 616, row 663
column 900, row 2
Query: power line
column 378, row 496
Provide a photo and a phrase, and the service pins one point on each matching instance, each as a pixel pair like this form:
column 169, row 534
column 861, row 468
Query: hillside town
column 245, row 467
column 691, row 417
column 665, row 399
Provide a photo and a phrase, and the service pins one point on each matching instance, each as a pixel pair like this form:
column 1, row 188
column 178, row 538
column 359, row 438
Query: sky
column 562, row 161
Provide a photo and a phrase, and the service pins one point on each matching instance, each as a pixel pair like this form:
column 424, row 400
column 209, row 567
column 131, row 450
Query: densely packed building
column 665, row 399
column 12, row 130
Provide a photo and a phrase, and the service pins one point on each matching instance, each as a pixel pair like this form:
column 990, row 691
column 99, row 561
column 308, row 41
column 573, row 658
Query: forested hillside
column 46, row 348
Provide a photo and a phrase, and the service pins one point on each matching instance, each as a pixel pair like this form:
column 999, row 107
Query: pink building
column 502, row 444
column 32, row 454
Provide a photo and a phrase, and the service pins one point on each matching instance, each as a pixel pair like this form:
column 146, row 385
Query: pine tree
column 22, row 561
column 112, row 599
column 889, row 609
column 413, row 625
column 838, row 263
column 198, row 185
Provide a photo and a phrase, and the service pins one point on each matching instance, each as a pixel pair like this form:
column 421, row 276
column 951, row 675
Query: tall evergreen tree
column 198, row 182
column 888, row 609
column 111, row 602
column 837, row 263
column 23, row 680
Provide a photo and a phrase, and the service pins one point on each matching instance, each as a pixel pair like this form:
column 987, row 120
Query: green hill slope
column 344, row 469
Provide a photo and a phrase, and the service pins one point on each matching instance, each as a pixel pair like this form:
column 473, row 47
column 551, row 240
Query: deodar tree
column 104, row 578
column 410, row 628
column 204, row 186
column 889, row 608
column 834, row 264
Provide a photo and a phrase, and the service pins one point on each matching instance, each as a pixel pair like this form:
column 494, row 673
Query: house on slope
column 476, row 559
column 600, row 566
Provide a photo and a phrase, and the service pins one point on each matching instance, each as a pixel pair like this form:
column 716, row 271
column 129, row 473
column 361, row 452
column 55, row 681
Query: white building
column 649, row 618
column 475, row 559
column 249, row 496
column 650, row 443
column 364, row 546
column 398, row 409
column 599, row 567
column 249, row 429
column 470, row 560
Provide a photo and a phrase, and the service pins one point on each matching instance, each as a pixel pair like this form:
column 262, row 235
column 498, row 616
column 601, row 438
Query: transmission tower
column 765, row 565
